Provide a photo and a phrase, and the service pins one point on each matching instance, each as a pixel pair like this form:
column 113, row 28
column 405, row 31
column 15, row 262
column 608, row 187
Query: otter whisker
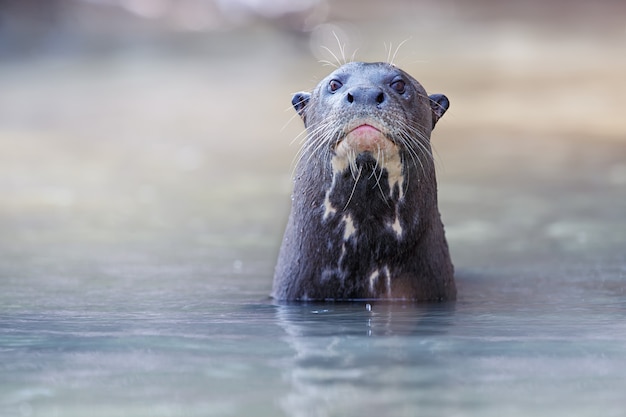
column 323, row 142
column 406, row 172
column 420, row 160
column 376, row 163
column 302, row 136
column 356, row 181
column 313, row 130
column 408, row 149
column 342, row 47
column 306, row 141
column 393, row 59
column 314, row 139
column 327, row 49
column 409, row 145
column 353, row 57
column 388, row 51
column 288, row 121
column 420, row 141
column 313, row 147
column 327, row 157
column 327, row 63
column 430, row 150
column 381, row 157
column 352, row 163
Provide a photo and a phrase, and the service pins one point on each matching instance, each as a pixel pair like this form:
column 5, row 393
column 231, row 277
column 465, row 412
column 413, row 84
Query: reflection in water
column 345, row 350
column 517, row 343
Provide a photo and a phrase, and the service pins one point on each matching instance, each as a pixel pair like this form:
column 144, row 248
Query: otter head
column 370, row 113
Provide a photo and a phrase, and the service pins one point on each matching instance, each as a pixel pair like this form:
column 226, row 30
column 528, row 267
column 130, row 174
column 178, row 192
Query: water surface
column 168, row 340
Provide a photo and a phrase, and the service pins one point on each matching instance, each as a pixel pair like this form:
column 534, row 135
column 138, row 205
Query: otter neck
column 365, row 189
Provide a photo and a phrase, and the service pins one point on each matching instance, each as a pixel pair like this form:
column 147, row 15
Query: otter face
column 370, row 112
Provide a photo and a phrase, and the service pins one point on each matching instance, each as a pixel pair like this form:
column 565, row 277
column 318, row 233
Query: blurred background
column 133, row 130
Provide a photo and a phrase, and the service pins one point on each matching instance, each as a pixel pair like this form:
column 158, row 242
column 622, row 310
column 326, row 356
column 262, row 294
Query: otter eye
column 334, row 85
column 398, row 86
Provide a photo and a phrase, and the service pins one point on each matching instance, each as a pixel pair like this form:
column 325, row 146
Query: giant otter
column 364, row 221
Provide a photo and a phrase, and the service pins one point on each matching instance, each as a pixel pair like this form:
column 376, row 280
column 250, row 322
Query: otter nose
column 372, row 96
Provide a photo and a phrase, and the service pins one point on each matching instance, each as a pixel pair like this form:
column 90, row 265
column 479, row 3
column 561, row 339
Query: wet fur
column 354, row 251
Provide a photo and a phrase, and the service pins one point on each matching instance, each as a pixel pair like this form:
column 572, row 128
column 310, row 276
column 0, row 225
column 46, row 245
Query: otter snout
column 365, row 95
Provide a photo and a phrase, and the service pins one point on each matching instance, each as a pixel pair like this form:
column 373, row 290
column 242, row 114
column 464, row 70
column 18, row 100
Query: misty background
column 141, row 129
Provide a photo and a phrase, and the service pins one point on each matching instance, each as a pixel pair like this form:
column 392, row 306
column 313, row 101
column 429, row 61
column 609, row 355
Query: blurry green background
column 163, row 128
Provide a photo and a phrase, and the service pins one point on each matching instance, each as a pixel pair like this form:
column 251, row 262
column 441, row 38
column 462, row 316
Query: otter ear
column 299, row 101
column 438, row 104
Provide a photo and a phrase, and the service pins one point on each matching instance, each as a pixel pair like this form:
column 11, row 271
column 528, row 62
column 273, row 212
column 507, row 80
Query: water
column 138, row 242
column 171, row 335
column 97, row 352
